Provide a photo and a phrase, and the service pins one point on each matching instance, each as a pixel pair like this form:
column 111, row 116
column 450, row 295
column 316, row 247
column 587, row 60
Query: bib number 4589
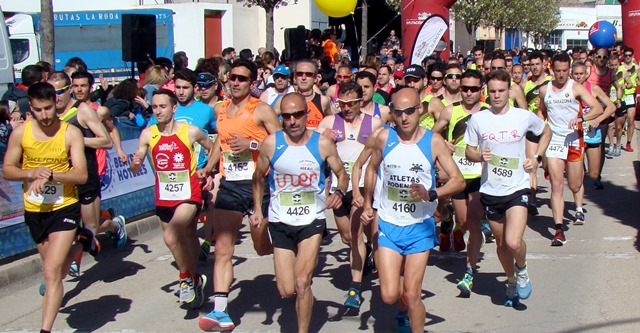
column 502, row 172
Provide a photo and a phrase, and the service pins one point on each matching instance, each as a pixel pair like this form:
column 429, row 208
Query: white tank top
column 272, row 95
column 296, row 180
column 562, row 107
column 350, row 143
column 403, row 164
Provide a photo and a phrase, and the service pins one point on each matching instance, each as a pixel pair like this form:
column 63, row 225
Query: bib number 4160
column 404, row 207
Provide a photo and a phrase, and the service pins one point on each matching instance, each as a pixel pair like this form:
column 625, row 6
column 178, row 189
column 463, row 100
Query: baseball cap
column 414, row 71
column 206, row 78
column 398, row 74
column 282, row 69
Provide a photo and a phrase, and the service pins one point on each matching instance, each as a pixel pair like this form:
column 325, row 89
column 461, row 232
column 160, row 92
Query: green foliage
column 267, row 4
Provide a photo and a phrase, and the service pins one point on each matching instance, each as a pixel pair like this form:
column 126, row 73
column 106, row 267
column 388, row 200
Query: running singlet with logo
column 426, row 119
column 175, row 163
column 350, row 143
column 505, row 135
column 404, row 164
column 50, row 154
column 238, row 166
column 315, row 111
column 469, row 170
column 296, row 179
column 592, row 136
column 628, row 95
column 532, row 93
column 92, row 162
column 562, row 107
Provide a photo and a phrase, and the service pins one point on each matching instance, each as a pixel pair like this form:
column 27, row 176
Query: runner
column 414, row 78
column 367, row 105
column 343, row 74
column 282, row 87
column 305, row 75
column 561, row 100
column 39, row 154
column 451, row 93
column 350, row 129
column 628, row 100
column 243, row 122
column 466, row 204
column 593, row 137
column 178, row 192
column 296, row 157
column 505, row 171
column 405, row 161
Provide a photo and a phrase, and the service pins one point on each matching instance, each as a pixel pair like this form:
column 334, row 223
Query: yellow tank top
column 426, row 119
column 50, row 154
column 468, row 169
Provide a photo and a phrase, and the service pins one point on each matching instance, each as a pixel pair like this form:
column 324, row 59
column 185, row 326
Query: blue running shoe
column 466, row 283
column 109, row 214
column 42, row 289
column 74, row 269
column 403, row 323
column 121, row 234
column 511, row 299
column 353, row 299
column 216, row 321
column 523, row 284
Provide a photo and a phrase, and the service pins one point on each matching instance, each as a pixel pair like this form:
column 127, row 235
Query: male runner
column 39, row 154
column 516, row 96
column 496, row 137
column 343, row 74
column 560, row 102
column 451, row 93
column 350, row 129
column 629, row 99
column 367, row 105
column 414, row 78
column 282, row 87
column 404, row 160
column 466, row 204
column 305, row 75
column 243, row 122
column 178, row 191
column 296, row 158
column 96, row 137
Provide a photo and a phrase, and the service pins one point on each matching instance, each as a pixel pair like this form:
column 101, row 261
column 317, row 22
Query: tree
column 545, row 20
column 46, row 22
column 269, row 7
column 471, row 12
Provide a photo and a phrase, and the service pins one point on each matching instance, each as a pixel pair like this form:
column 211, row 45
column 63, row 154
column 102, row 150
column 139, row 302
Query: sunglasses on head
column 240, row 78
column 437, row 78
column 473, row 89
column 205, row 85
column 296, row 114
column 348, row 103
column 344, row 77
column 452, row 76
column 62, row 90
column 307, row 74
column 408, row 111
column 602, row 56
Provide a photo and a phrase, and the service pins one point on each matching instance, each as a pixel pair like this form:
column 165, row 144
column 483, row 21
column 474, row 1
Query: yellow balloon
column 336, row 8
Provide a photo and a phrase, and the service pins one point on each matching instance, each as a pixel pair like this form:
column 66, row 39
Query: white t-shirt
column 505, row 136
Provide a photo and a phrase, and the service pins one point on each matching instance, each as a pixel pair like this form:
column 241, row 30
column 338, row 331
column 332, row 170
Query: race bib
column 238, row 166
column 502, row 170
column 52, row 194
column 613, row 95
column 403, row 207
column 296, row 207
column 174, row 185
column 466, row 167
column 629, row 100
column 557, row 151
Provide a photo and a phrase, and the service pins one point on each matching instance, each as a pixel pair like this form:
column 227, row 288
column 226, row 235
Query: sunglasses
column 279, row 76
column 344, row 77
column 473, row 89
column 62, row 90
column 296, row 114
column 452, row 76
column 600, row 56
column 206, row 85
column 349, row 103
column 628, row 54
column 306, row 74
column 240, row 78
column 497, row 68
column 408, row 111
column 437, row 78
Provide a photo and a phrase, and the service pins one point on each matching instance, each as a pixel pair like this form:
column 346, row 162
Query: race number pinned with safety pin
column 52, row 194
column 297, row 206
column 502, row 170
column 557, row 151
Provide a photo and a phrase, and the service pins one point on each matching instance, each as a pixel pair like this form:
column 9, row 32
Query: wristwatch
column 537, row 158
column 433, row 195
column 253, row 145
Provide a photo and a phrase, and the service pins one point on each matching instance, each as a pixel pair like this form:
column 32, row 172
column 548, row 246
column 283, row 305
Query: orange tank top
column 238, row 166
column 315, row 111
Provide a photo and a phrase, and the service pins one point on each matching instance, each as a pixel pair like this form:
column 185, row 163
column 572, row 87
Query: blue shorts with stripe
column 414, row 238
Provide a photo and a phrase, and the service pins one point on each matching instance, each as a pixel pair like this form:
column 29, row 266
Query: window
column 19, row 50
column 583, row 43
column 554, row 38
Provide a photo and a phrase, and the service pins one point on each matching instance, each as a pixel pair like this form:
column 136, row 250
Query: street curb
column 23, row 268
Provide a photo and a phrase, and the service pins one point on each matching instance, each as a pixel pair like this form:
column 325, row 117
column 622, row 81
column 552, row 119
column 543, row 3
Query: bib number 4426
column 298, row 211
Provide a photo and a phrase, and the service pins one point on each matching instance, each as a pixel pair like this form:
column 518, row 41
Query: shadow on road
column 90, row 316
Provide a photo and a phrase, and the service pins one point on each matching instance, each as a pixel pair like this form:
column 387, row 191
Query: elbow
column 82, row 178
column 107, row 143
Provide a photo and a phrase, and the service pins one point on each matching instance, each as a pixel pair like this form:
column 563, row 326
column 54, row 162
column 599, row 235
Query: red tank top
column 604, row 81
column 175, row 163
